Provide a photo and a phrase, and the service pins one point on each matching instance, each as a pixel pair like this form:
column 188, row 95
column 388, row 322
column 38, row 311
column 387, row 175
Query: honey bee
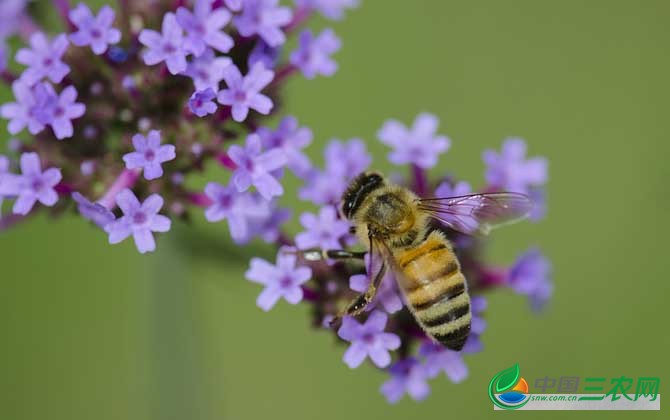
column 395, row 224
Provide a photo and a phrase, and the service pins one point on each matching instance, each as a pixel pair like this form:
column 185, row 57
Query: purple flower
column 263, row 53
column 139, row 220
column 347, row 159
column 265, row 18
column 95, row 31
column 477, row 325
column 44, row 59
column 11, row 15
column 149, row 154
column 240, row 209
column 531, row 275
column 254, row 167
column 95, row 212
column 167, row 46
column 234, row 5
column 331, row 9
column 322, row 188
column 418, row 145
column 58, row 111
column 510, row 170
column 343, row 162
column 440, row 359
column 387, row 294
column 446, row 189
column 207, row 71
column 323, row 231
column 4, row 169
column 32, row 185
column 281, row 280
column 202, row 103
column 243, row 93
column 3, row 55
column 87, row 167
column 313, row 54
column 24, row 112
column 290, row 138
column 539, row 197
column 407, row 376
column 269, row 227
column 368, row 340
column 204, row 27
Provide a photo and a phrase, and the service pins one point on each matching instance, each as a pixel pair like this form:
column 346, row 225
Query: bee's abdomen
column 436, row 291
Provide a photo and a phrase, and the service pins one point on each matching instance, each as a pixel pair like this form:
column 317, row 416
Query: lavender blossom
column 207, row 71
column 96, row 31
column 255, row 167
column 290, row 138
column 44, row 59
column 511, row 171
column 239, row 209
column 263, row 53
column 477, row 325
column 531, row 275
column 265, row 18
column 11, row 14
column 233, row 5
column 324, row 230
column 331, row 9
column 138, row 220
column 368, row 340
column 387, row 294
column 95, row 212
column 440, row 359
column 417, row 145
column 322, row 187
column 59, row 110
column 313, row 54
column 243, row 93
column 347, row 159
column 149, row 154
column 407, row 376
column 446, row 189
column 32, row 185
column 268, row 228
column 202, row 102
column 24, row 112
column 3, row 55
column 167, row 46
column 204, row 27
column 4, row 169
column 343, row 162
column 281, row 280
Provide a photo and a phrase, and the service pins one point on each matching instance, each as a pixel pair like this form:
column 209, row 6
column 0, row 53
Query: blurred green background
column 98, row 331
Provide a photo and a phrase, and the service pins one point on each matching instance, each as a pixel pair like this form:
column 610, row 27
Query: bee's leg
column 357, row 306
column 334, row 254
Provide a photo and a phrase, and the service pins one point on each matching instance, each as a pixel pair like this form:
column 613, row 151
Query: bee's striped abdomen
column 436, row 291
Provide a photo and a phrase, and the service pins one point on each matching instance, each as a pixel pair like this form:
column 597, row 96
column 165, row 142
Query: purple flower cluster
column 146, row 109
column 134, row 125
column 386, row 332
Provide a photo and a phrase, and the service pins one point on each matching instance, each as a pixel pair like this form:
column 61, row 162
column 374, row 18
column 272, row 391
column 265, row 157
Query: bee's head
column 358, row 190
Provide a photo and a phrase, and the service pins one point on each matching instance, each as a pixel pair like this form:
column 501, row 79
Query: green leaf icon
column 507, row 378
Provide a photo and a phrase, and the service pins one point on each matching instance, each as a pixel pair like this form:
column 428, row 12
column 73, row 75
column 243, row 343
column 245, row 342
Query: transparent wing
column 478, row 213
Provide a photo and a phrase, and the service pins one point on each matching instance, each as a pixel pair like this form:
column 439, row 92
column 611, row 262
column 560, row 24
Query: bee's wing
column 478, row 213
